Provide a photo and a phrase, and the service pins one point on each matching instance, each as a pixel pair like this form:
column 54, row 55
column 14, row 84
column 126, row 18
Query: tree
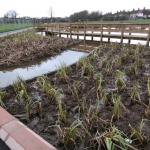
column 11, row 14
column 51, row 12
column 6, row 15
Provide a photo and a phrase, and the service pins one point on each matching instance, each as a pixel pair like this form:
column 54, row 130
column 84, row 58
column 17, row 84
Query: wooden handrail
column 78, row 28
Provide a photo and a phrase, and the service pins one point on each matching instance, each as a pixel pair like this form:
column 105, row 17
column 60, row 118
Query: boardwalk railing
column 117, row 31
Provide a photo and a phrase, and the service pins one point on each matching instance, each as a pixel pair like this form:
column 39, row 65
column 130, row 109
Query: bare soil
column 133, row 113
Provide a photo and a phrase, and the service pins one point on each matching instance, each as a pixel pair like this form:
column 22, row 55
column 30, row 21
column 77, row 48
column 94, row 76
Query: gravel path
column 14, row 31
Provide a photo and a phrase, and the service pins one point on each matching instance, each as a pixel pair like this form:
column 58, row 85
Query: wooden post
column 70, row 31
column 122, row 32
column 129, row 41
column 92, row 34
column 148, row 36
column 109, row 33
column 45, row 29
column 59, row 30
column 101, row 34
column 77, row 32
column 84, row 32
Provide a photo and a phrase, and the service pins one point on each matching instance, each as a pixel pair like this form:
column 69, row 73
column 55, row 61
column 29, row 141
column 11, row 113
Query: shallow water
column 45, row 65
column 41, row 66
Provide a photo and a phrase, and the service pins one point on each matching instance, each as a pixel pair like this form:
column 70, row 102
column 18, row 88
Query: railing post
column 148, row 36
column 101, row 34
column 59, row 30
column 122, row 33
column 92, row 34
column 129, row 41
column 84, row 32
column 70, row 31
column 109, row 33
column 52, row 29
column 77, row 32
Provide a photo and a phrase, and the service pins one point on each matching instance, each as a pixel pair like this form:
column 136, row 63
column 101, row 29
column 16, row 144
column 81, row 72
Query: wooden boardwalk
column 117, row 31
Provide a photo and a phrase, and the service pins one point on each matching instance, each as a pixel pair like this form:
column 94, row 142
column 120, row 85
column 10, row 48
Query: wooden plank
column 122, row 32
column 84, row 32
column 92, row 33
column 126, row 31
column 59, row 30
column 70, row 31
column 130, row 34
column 148, row 36
column 109, row 33
column 101, row 34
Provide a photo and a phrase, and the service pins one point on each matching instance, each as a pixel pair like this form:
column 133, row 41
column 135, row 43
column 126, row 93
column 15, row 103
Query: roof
column 144, row 11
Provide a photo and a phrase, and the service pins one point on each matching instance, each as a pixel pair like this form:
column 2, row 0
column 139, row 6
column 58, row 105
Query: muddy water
column 72, row 55
column 33, row 69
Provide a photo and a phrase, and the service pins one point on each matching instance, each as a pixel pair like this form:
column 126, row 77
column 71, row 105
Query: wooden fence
column 118, row 31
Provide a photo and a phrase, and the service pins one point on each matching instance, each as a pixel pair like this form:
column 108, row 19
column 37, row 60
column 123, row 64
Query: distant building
column 143, row 14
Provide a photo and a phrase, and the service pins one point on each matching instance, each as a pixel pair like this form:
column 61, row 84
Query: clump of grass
column 38, row 107
column 117, row 61
column 93, row 114
column 117, row 103
column 62, row 113
column 103, row 62
column 148, row 87
column 82, row 62
column 63, row 72
column 28, row 108
column 17, row 84
column 52, row 94
column 125, row 54
column 67, row 135
column 138, row 135
column 119, row 80
column 113, row 140
column 98, row 82
column 71, row 132
column 108, row 69
column 20, row 90
column 87, row 69
column 135, row 94
column 147, row 111
column 94, row 55
column 75, row 87
column 133, row 69
column 2, row 95
column 106, row 98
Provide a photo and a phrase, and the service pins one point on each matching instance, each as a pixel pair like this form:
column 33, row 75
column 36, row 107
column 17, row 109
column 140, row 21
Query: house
column 143, row 14
column 108, row 17
column 133, row 14
column 122, row 15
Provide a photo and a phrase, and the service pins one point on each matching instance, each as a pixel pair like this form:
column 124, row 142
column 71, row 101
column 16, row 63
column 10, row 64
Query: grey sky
column 62, row 8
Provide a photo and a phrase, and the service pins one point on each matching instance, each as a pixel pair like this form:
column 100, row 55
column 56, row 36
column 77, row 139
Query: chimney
column 138, row 9
column 144, row 8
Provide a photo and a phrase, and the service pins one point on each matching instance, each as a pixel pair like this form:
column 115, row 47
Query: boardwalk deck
column 117, row 31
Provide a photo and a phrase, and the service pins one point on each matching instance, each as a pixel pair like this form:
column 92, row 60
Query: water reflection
column 44, row 65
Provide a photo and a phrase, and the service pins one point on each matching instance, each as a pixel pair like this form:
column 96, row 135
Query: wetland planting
column 27, row 46
column 101, row 102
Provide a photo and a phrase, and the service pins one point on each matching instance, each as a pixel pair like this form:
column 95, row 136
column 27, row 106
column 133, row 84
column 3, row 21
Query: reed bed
column 28, row 45
column 101, row 103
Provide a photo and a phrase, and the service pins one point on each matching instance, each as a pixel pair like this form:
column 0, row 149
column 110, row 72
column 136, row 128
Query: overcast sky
column 62, row 8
